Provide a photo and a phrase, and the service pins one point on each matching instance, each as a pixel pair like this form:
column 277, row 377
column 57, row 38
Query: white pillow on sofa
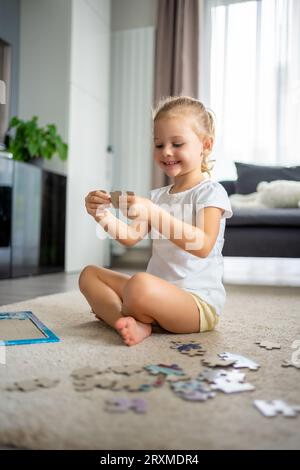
column 279, row 193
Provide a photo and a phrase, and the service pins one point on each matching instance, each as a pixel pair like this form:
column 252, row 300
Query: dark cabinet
column 32, row 220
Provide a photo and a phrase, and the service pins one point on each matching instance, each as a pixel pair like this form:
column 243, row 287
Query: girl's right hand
column 96, row 202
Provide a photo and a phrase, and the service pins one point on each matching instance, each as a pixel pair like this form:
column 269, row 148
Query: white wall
column 88, row 127
column 64, row 78
column 131, row 14
column 44, row 65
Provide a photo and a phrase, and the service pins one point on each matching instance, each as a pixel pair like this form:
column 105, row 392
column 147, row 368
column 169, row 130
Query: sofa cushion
column 265, row 217
column 250, row 175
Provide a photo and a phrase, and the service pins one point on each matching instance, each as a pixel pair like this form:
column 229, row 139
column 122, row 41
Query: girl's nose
column 167, row 151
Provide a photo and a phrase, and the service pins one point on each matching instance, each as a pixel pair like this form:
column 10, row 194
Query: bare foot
column 132, row 331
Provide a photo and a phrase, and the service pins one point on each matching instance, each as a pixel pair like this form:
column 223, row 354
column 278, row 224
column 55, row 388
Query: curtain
column 176, row 56
column 252, row 81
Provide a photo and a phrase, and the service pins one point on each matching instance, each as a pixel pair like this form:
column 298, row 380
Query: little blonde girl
column 182, row 288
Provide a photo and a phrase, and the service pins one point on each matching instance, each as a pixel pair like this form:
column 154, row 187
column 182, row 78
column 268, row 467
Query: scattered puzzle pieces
column 268, row 345
column 136, row 384
column 122, row 405
column 32, row 384
column 85, row 372
column 211, row 375
column 172, row 369
column 192, row 348
column 239, row 361
column 229, row 386
column 89, row 383
column 193, row 390
column 127, row 370
column 216, row 362
column 275, row 407
column 288, row 363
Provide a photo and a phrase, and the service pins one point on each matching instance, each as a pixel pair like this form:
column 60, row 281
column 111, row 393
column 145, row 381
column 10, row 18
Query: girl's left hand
column 134, row 207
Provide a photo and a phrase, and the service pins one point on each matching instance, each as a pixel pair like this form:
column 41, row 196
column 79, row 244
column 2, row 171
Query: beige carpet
column 61, row 418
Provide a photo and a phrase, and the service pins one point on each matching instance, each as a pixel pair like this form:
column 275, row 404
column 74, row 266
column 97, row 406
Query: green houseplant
column 31, row 142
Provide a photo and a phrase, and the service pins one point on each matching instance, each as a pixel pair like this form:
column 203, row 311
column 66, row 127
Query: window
column 251, row 80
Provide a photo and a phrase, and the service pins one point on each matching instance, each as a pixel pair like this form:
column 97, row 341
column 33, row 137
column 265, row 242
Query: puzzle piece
column 85, row 372
column 135, row 384
column 27, row 385
column 128, row 370
column 215, row 362
column 172, row 369
column 122, row 405
column 288, row 363
column 85, row 385
column 190, row 349
column 44, row 382
column 193, row 390
column 239, row 361
column 268, row 345
column 212, row 375
column 114, row 195
column 89, row 383
column 228, row 386
column 31, row 385
column 273, row 408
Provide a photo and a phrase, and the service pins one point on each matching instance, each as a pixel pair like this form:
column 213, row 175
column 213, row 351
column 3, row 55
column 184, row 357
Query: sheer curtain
column 250, row 78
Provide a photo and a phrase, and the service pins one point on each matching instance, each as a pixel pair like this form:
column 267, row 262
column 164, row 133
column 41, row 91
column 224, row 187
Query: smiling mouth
column 170, row 163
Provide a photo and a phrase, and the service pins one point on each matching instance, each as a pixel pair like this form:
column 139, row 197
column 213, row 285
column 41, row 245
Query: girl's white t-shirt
column 202, row 276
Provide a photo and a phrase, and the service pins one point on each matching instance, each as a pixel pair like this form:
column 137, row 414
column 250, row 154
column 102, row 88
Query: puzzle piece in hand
column 288, row 363
column 115, row 195
column 122, row 405
column 239, row 361
column 172, row 369
column 215, row 362
column 268, row 345
column 193, row 390
column 228, row 386
column 128, row 370
column 273, row 408
column 212, row 375
column 190, row 349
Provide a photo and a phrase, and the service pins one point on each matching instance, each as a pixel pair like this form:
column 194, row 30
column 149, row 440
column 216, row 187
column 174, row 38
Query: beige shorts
column 208, row 316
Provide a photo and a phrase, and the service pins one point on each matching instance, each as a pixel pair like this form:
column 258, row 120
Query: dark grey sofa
column 262, row 232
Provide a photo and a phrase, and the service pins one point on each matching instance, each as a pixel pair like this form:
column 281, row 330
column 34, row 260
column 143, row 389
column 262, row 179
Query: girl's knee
column 85, row 275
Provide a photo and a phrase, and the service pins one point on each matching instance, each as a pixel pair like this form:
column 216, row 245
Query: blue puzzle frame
column 50, row 337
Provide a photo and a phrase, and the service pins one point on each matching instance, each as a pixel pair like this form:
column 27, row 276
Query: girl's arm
column 197, row 240
column 127, row 235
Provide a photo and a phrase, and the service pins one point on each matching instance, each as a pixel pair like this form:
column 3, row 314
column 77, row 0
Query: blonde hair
column 172, row 106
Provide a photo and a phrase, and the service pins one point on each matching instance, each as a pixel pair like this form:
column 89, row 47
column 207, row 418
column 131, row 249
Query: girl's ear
column 207, row 144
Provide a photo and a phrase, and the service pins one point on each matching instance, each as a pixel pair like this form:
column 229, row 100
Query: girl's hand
column 96, row 203
column 135, row 207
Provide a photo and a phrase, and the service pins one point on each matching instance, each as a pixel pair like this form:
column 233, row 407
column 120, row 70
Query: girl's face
column 177, row 148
